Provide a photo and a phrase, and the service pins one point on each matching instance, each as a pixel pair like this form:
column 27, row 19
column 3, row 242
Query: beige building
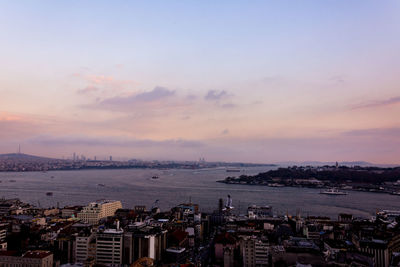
column 35, row 258
column 95, row 211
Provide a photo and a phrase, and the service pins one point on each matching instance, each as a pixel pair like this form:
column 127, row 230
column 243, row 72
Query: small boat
column 232, row 170
column 101, row 185
column 155, row 177
column 276, row 185
column 49, row 194
column 12, row 181
column 332, row 191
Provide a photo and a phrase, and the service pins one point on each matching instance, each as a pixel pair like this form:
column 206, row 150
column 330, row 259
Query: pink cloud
column 105, row 84
column 100, row 79
column 88, row 89
column 9, row 117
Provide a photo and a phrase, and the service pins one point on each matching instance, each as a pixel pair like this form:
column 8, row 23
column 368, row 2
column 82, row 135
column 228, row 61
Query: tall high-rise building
column 255, row 252
column 109, row 246
column 82, row 246
column 144, row 241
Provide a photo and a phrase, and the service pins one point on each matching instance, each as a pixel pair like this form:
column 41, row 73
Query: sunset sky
column 250, row 81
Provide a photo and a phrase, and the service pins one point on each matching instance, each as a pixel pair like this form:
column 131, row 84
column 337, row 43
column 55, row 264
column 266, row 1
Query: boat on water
column 332, row 191
column 49, row 193
column 276, row 185
column 232, row 170
column 101, row 185
column 155, row 177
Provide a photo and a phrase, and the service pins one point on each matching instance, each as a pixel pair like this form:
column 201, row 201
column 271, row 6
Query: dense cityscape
column 173, row 133
column 103, row 233
column 19, row 162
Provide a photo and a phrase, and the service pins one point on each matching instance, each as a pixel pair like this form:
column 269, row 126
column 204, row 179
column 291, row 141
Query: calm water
column 135, row 187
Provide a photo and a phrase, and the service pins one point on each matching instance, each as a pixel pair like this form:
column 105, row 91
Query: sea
column 175, row 186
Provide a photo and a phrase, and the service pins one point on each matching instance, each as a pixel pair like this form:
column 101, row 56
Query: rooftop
column 37, row 254
column 113, row 231
column 176, row 250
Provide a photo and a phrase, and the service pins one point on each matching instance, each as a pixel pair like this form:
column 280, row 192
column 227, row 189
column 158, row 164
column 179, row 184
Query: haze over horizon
column 266, row 81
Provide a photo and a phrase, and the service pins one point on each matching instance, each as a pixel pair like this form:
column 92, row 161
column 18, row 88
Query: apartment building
column 254, row 251
column 35, row 258
column 95, row 211
column 109, row 244
column 83, row 243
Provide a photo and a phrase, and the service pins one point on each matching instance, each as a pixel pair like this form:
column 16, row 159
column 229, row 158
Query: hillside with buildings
column 18, row 162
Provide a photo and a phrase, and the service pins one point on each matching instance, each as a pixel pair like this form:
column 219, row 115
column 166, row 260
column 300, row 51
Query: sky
column 249, row 81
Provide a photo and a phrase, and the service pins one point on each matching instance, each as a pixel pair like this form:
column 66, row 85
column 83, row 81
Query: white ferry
column 332, row 191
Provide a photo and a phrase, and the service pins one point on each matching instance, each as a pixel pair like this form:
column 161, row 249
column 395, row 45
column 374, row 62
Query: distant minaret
column 19, row 148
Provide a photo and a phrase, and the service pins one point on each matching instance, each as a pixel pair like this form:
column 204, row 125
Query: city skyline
column 227, row 81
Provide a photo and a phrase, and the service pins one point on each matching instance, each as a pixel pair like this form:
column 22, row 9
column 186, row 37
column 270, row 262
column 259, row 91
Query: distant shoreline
column 161, row 167
column 364, row 179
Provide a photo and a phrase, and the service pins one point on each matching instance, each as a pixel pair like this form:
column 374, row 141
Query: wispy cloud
column 338, row 79
column 88, row 89
column 103, row 84
column 156, row 94
column 100, row 79
column 5, row 116
column 220, row 98
column 228, row 105
column 128, row 102
column 375, row 132
column 214, row 95
column 379, row 103
column 18, row 126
